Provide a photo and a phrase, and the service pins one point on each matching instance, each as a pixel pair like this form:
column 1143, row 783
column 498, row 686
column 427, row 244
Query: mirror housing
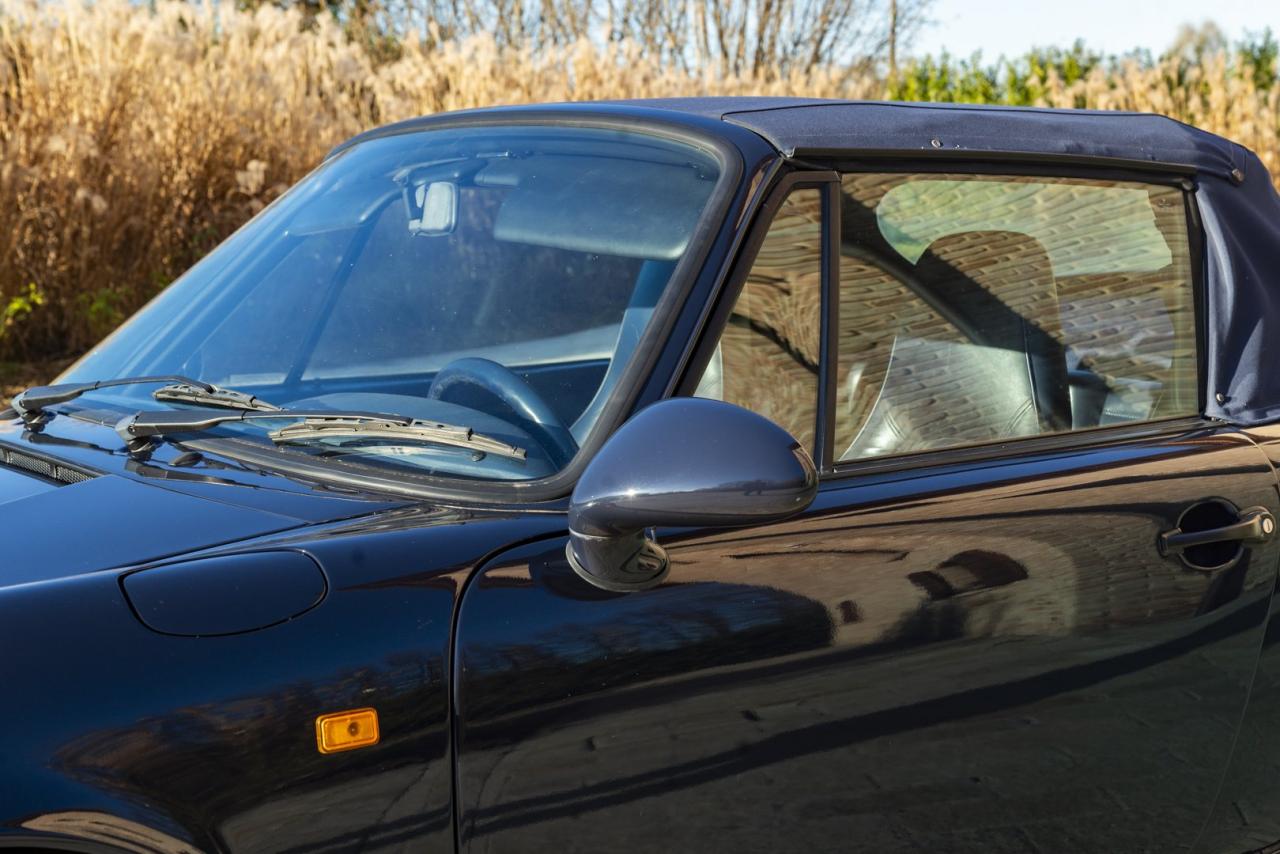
column 684, row 462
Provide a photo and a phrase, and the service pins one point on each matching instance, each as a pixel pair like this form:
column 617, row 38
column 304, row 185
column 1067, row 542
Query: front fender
column 67, row 640
column 209, row 743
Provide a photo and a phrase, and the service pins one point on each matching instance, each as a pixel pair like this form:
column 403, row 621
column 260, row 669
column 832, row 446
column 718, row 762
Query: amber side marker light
column 340, row 731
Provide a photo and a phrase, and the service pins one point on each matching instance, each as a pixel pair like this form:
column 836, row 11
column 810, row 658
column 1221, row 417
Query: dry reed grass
column 132, row 140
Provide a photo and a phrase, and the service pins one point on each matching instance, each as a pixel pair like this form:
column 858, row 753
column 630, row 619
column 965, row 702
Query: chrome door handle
column 1255, row 525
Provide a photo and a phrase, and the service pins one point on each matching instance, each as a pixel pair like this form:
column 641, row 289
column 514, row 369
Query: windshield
column 496, row 279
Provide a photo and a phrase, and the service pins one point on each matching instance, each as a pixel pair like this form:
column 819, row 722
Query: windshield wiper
column 203, row 394
column 138, row 429
column 31, row 403
column 413, row 431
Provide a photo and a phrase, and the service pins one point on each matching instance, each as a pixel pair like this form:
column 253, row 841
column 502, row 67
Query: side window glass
column 980, row 308
column 767, row 356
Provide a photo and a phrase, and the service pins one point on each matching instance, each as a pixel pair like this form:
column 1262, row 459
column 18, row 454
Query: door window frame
column 827, row 183
column 826, row 177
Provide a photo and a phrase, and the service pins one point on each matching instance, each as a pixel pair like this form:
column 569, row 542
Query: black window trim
column 829, row 362
column 1021, row 446
column 786, row 182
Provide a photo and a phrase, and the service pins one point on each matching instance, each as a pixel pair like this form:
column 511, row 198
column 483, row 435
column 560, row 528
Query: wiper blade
column 138, row 429
column 415, row 431
column 203, row 394
column 32, row 402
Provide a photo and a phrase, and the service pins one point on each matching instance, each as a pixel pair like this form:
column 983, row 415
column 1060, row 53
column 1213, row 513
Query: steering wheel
column 506, row 386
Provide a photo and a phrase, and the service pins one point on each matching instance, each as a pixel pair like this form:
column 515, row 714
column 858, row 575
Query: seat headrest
column 994, row 250
column 1014, row 268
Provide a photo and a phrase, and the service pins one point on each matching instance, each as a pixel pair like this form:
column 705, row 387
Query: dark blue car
column 696, row 475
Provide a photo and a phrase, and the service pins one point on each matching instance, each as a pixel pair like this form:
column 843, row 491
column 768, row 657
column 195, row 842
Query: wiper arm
column 138, row 429
column 32, row 402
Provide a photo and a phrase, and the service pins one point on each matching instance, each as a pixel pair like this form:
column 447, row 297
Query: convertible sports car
column 689, row 475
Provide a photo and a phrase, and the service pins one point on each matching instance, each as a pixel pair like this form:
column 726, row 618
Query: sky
column 1110, row 26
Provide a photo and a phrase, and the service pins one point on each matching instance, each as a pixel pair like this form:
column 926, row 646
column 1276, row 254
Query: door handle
column 1255, row 525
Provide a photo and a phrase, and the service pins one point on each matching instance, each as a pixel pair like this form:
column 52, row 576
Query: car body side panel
column 209, row 743
column 989, row 656
column 1246, row 815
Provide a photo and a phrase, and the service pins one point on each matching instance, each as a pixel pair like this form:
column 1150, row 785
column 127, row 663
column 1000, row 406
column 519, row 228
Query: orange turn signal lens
column 346, row 730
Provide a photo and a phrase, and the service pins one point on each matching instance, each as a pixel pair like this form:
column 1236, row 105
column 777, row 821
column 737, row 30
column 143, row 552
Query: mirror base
column 646, row 566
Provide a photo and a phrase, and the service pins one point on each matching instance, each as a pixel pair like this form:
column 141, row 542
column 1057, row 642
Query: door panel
column 992, row 657
column 1247, row 814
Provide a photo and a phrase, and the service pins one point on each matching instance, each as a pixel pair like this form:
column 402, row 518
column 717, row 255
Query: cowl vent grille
column 42, row 466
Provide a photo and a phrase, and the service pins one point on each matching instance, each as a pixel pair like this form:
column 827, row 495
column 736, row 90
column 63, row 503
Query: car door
column 1023, row 612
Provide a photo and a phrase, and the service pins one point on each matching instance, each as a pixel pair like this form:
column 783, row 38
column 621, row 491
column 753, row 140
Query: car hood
column 72, row 501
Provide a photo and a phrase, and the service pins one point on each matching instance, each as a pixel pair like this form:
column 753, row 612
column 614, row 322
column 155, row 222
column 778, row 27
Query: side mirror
column 683, row 462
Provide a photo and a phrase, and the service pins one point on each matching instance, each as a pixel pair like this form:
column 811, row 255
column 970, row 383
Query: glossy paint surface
column 15, row 484
column 1246, row 816
column 990, row 656
column 207, row 743
column 225, row 595
column 986, row 655
column 185, row 717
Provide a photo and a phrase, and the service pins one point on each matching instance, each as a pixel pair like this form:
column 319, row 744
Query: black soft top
column 796, row 126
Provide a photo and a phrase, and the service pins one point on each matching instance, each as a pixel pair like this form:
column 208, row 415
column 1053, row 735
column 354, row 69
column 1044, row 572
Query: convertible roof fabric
column 1237, row 201
column 797, row 126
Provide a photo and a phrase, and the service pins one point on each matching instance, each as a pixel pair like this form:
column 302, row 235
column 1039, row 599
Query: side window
column 767, row 357
column 980, row 308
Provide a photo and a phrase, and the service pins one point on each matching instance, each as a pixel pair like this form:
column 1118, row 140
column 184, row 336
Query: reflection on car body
column 702, row 474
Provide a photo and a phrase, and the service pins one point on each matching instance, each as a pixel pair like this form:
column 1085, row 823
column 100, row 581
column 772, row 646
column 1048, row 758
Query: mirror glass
column 431, row 207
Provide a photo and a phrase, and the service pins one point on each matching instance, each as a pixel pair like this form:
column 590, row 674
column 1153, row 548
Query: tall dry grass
column 132, row 140
column 1212, row 95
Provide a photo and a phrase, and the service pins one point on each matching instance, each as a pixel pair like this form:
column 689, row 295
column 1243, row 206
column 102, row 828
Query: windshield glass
column 491, row 278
